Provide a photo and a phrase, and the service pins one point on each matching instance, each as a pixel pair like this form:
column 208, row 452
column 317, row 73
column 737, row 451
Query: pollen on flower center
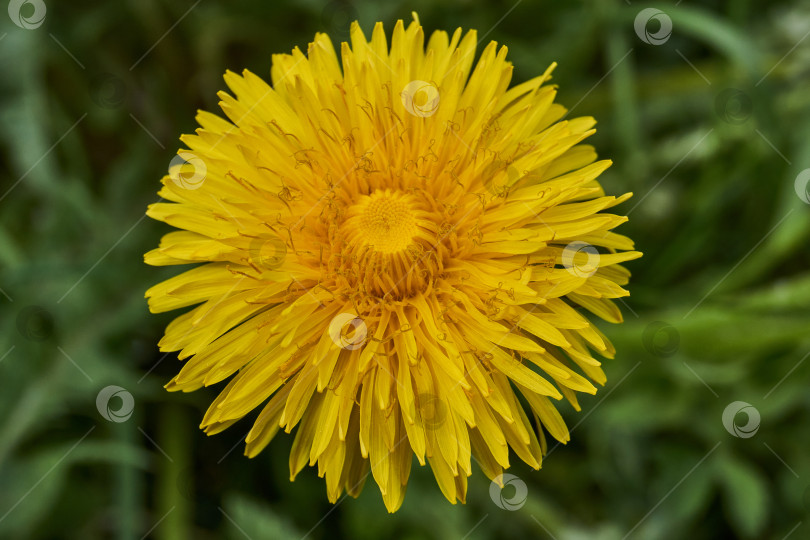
column 387, row 224
column 388, row 248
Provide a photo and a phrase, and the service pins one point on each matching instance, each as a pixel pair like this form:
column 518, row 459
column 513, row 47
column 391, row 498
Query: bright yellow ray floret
column 396, row 246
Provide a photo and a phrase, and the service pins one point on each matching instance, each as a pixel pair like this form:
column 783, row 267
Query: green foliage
column 91, row 104
column 256, row 520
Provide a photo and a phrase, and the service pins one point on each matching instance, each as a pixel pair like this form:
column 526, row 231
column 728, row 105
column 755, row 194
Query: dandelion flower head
column 398, row 255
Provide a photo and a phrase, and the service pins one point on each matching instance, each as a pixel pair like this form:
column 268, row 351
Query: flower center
column 387, row 223
column 386, row 246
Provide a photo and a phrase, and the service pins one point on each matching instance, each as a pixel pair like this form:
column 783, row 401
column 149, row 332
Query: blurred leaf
column 30, row 487
column 745, row 496
column 252, row 519
column 707, row 26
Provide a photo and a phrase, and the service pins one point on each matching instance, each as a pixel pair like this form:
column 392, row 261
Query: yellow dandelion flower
column 397, row 246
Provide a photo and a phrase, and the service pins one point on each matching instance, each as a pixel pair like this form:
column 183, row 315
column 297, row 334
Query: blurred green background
column 709, row 126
